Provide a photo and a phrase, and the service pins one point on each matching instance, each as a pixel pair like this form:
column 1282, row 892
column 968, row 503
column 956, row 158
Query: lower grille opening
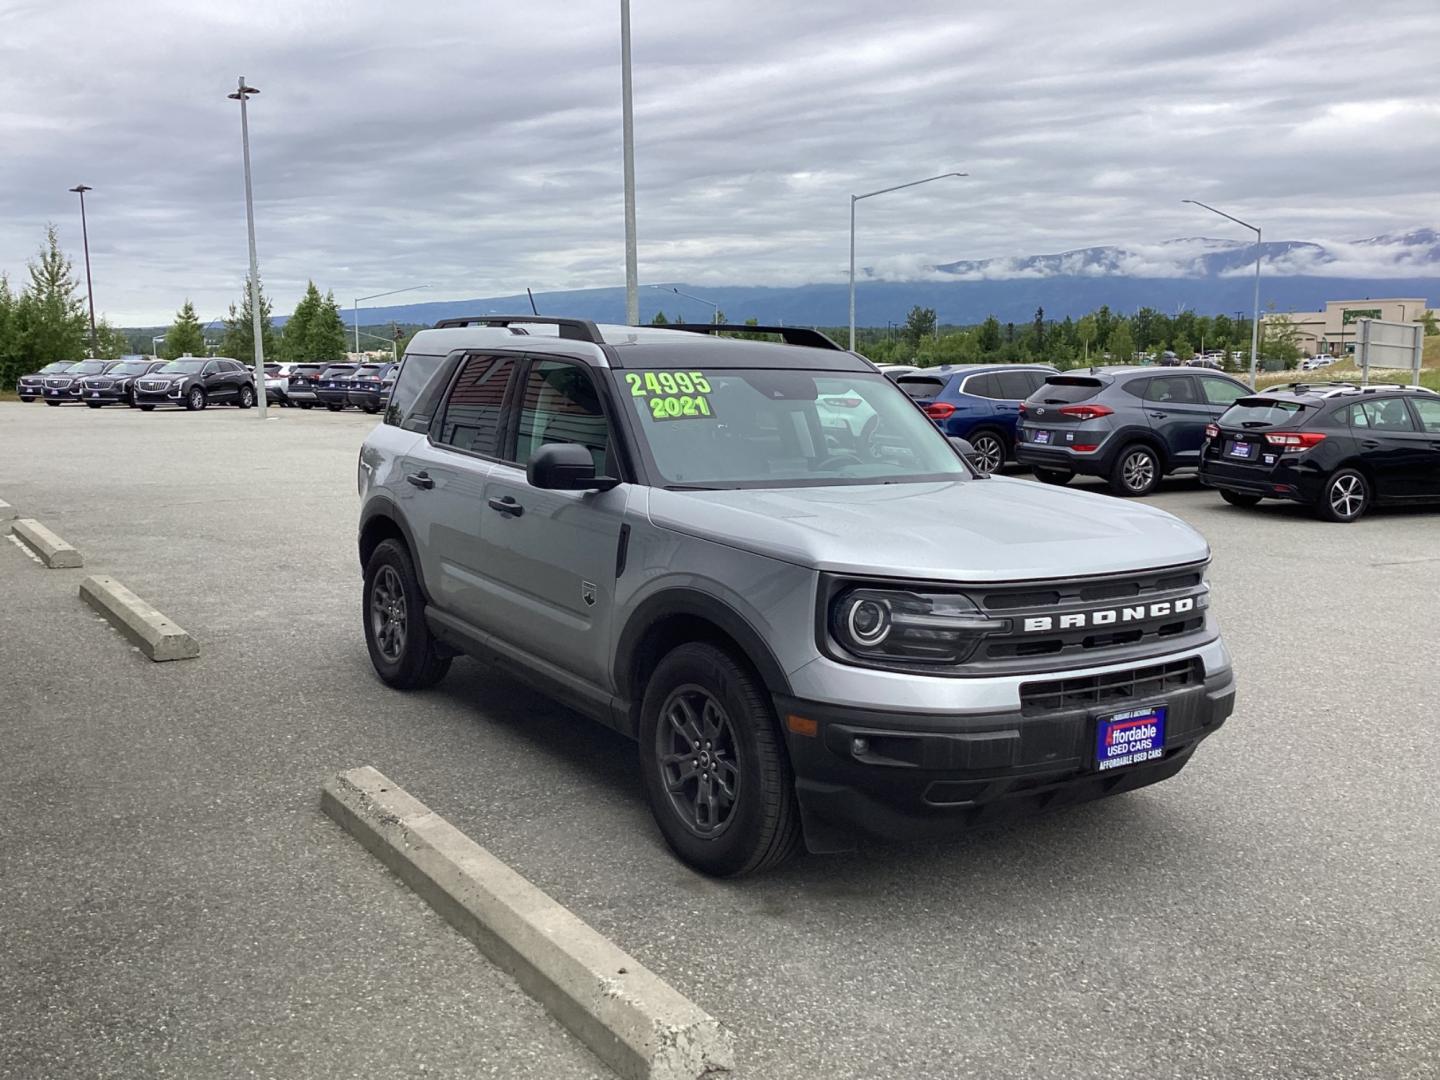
column 1116, row 688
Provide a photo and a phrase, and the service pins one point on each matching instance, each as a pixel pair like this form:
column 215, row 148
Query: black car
column 194, row 382
column 29, row 387
column 64, row 386
column 300, row 386
column 1130, row 426
column 370, row 386
column 116, row 384
column 332, row 388
column 1336, row 449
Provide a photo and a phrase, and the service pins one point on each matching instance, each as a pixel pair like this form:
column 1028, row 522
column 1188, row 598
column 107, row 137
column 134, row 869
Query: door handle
column 507, row 506
column 420, row 480
column 1159, row 415
column 1369, row 444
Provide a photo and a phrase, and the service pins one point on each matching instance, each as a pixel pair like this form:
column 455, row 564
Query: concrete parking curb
column 158, row 637
column 633, row 1020
column 54, row 552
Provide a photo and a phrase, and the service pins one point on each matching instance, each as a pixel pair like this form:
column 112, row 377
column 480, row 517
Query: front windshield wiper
column 692, row 487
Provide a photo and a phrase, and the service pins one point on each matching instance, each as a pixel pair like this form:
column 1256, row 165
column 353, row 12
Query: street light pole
column 1255, row 318
column 870, row 195
column 715, row 316
column 376, row 296
column 80, row 190
column 155, row 345
column 242, row 92
column 627, row 108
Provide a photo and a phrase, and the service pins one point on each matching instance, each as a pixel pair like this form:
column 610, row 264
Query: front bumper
column 69, row 393
column 915, row 774
column 112, row 396
column 174, row 396
column 29, row 392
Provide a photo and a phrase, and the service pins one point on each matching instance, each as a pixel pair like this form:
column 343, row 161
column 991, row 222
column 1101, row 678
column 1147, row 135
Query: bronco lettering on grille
column 1080, row 620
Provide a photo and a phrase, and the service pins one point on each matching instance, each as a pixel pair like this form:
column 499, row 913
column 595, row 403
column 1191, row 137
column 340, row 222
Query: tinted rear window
column 1066, row 390
column 415, row 372
column 919, row 388
column 1256, row 413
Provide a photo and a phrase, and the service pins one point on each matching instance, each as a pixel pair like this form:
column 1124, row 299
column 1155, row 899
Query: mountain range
column 1195, row 273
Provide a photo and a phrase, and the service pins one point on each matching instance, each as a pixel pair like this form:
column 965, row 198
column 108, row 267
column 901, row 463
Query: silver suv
column 814, row 629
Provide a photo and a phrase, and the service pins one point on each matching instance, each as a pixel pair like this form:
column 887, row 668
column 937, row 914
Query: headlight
column 909, row 627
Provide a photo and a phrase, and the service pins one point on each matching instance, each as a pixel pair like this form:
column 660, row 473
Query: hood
column 973, row 530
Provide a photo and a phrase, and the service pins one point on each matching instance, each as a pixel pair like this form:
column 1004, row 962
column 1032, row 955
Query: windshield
column 181, row 367
column 87, row 367
column 57, row 367
column 722, row 428
column 128, row 369
column 1262, row 413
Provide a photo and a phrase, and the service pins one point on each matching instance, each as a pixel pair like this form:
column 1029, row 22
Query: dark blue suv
column 978, row 402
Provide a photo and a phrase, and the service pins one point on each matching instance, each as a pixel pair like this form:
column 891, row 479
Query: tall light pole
column 715, row 316
column 80, row 190
column 870, row 195
column 155, row 345
column 376, row 296
column 1255, row 318
column 242, row 92
column 627, row 108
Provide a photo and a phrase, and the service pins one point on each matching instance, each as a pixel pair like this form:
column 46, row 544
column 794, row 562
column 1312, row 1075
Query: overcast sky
column 476, row 145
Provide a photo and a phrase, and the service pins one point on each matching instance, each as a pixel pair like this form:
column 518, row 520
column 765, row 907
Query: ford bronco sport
column 813, row 632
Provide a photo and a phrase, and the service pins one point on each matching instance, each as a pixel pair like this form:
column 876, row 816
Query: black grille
column 1115, row 688
column 154, row 384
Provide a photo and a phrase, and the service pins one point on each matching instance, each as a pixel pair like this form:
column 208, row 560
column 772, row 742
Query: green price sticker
column 672, row 395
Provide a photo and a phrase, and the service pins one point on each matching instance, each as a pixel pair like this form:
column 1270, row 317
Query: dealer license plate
column 1130, row 738
column 1042, row 437
column 1243, row 450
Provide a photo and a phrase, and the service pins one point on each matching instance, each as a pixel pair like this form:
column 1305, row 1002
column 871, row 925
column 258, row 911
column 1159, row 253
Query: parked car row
column 191, row 382
column 335, row 386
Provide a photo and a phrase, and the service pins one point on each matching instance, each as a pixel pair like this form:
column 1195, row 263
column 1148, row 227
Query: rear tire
column 306, row 404
column 1136, row 472
column 989, row 450
column 1240, row 498
column 53, row 404
column 701, row 700
column 335, row 408
column 402, row 649
column 1345, row 498
column 91, row 405
column 1058, row 477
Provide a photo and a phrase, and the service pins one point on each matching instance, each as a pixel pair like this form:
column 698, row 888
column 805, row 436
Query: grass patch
column 1429, row 376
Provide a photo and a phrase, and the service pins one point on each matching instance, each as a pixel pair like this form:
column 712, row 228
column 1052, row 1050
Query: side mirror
column 565, row 467
column 965, row 450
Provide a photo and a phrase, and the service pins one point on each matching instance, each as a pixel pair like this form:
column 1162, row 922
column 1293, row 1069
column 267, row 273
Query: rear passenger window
column 472, row 411
column 414, row 373
column 561, row 405
column 1172, row 390
column 986, row 386
column 1390, row 415
column 1014, row 385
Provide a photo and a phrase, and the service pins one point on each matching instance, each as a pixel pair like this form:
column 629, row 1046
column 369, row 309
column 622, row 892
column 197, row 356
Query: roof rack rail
column 790, row 335
column 1319, row 384
column 571, row 329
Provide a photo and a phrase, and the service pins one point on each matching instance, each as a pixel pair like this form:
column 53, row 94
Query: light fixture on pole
column 155, row 345
column 714, row 318
column 870, row 195
column 376, row 296
column 1255, row 319
column 627, row 111
column 241, row 94
column 80, row 190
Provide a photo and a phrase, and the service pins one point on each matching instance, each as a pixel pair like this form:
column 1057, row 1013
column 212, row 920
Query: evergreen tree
column 111, row 343
column 659, row 319
column 184, row 336
column 295, row 339
column 11, row 356
column 239, row 340
column 919, row 324
column 989, row 336
column 327, row 341
column 1038, row 328
column 51, row 312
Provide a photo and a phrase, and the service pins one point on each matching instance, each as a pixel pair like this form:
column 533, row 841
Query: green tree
column 11, row 352
column 1183, row 349
column 659, row 319
column 1086, row 331
column 1037, row 329
column 1122, row 343
column 327, row 340
column 920, row 324
column 989, row 336
column 1431, row 324
column 111, row 343
column 239, row 339
column 295, row 339
column 1280, row 340
column 184, row 336
column 50, row 312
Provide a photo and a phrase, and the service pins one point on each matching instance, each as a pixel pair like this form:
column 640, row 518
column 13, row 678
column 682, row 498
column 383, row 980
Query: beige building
column 1334, row 330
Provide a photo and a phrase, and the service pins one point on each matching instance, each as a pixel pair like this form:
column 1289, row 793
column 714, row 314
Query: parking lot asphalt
column 174, row 903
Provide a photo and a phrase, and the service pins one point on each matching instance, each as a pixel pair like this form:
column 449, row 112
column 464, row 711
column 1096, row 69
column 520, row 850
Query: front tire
column 195, row 399
column 1136, row 472
column 1058, row 477
column 403, row 651
column 53, row 404
column 306, row 404
column 335, row 408
column 1346, row 497
column 1240, row 498
column 714, row 766
column 989, row 452
column 247, row 397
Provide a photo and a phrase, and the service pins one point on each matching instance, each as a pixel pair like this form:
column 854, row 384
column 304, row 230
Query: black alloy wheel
column 402, row 650
column 714, row 765
column 1346, row 497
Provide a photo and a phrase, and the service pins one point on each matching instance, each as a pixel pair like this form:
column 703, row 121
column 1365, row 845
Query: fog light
column 859, row 747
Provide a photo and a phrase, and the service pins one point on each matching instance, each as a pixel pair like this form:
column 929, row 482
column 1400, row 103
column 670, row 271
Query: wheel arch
column 1129, row 436
column 381, row 520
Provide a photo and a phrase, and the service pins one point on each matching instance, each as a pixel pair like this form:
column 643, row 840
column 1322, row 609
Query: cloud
column 476, row 147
